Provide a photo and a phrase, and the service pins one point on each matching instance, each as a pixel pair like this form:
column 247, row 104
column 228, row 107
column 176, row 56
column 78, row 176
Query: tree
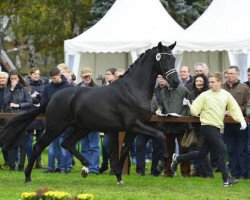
column 185, row 12
column 99, row 9
column 41, row 26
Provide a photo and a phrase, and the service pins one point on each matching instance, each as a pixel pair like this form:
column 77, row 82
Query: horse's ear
column 160, row 46
column 172, row 46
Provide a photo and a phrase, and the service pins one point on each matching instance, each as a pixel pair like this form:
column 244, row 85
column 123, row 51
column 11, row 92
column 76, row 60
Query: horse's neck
column 143, row 77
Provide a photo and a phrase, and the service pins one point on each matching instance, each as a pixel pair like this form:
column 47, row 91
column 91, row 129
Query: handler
column 212, row 105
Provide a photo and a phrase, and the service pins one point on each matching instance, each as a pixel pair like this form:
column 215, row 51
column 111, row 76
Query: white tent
column 128, row 28
column 220, row 36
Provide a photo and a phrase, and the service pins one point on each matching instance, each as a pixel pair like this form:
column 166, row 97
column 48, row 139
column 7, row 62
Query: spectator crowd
column 202, row 159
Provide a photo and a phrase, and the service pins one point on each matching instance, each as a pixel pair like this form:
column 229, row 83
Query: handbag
column 189, row 139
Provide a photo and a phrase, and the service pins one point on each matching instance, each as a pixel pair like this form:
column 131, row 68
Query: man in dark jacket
column 172, row 102
column 58, row 82
column 236, row 139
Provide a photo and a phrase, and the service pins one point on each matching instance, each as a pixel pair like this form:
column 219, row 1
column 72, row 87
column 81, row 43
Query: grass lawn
column 135, row 187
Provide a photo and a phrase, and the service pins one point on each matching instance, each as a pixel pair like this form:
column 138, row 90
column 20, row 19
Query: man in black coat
column 58, row 82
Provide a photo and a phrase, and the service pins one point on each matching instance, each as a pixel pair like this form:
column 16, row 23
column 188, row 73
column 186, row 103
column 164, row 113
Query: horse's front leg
column 142, row 128
column 128, row 140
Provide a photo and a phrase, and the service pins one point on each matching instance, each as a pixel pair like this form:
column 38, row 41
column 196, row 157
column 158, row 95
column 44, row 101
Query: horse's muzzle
column 175, row 83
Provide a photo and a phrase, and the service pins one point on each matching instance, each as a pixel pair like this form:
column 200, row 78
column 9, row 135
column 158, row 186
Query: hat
column 86, row 72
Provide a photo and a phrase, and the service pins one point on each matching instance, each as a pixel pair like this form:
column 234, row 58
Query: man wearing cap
column 90, row 143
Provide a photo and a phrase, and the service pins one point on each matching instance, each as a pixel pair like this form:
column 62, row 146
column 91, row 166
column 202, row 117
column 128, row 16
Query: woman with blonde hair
column 65, row 71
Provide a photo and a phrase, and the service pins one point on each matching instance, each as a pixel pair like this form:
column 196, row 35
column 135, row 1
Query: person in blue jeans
column 149, row 150
column 133, row 152
column 53, row 155
column 65, row 157
column 90, row 143
column 91, row 150
column 29, row 144
column 58, row 82
column 59, row 154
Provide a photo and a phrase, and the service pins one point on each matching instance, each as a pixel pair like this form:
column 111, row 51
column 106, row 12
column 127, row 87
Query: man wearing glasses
column 236, row 139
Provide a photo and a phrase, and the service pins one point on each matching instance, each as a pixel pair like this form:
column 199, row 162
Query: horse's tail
column 17, row 125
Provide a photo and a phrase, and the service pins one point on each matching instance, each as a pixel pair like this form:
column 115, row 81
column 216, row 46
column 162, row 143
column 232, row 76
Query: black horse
column 123, row 105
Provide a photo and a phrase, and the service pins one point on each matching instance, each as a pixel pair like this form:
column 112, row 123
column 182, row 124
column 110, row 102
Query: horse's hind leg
column 42, row 143
column 128, row 140
column 70, row 144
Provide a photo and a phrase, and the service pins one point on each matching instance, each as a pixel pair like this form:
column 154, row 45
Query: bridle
column 166, row 73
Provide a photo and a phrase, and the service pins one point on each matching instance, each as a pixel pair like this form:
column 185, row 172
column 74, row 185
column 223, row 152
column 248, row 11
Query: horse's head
column 166, row 64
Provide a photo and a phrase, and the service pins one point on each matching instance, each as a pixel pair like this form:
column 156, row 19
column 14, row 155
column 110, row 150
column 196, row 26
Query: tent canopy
column 128, row 26
column 223, row 26
column 219, row 37
column 128, row 29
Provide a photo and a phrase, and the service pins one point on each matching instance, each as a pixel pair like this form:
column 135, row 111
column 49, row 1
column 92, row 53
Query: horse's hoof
column 120, row 182
column 27, row 180
column 84, row 172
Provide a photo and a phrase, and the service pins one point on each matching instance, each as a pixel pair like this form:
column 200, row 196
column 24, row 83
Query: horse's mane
column 137, row 60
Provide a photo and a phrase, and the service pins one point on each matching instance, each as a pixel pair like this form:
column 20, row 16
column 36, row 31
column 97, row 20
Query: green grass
column 135, row 187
